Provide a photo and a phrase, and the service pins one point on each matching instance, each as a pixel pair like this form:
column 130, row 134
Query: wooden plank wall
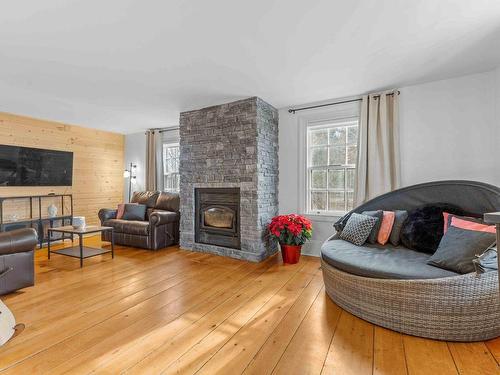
column 98, row 158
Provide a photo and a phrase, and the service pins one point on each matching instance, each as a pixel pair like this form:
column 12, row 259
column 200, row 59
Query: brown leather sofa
column 159, row 230
column 17, row 250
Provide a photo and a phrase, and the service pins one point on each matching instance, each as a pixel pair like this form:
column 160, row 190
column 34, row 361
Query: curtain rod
column 162, row 130
column 168, row 129
column 293, row 110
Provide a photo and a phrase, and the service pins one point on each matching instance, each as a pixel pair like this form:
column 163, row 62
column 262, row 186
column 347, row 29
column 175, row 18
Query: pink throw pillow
column 386, row 227
column 446, row 217
column 464, row 224
column 120, row 210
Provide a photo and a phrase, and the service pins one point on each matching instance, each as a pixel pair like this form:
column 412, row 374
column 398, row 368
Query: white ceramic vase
column 52, row 210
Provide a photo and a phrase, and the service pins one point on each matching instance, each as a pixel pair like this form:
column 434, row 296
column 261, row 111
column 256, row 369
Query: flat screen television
column 25, row 166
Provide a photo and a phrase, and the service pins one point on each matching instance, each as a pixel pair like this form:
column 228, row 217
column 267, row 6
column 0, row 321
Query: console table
column 36, row 218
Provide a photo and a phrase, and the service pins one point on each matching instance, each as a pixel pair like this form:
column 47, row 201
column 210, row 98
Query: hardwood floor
column 176, row 311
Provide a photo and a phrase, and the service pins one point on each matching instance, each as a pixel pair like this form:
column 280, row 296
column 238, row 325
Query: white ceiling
column 126, row 65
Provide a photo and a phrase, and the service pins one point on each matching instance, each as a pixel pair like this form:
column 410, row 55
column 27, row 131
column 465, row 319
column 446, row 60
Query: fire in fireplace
column 217, row 216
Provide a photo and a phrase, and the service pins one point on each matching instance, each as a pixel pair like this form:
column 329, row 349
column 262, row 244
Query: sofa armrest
column 18, row 241
column 106, row 214
column 163, row 217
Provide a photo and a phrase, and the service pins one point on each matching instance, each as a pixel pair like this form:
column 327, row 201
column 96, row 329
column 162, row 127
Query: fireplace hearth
column 217, row 215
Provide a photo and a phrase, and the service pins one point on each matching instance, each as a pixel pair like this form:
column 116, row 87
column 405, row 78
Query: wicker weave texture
column 459, row 308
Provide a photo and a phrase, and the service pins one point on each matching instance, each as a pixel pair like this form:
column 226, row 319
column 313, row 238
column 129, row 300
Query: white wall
column 135, row 152
column 449, row 130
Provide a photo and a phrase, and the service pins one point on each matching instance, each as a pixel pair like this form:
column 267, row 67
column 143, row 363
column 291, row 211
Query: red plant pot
column 290, row 253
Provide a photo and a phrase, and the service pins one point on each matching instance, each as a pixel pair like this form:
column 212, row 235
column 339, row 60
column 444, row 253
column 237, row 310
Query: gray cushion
column 399, row 218
column 358, row 228
column 459, row 247
column 377, row 261
column 134, row 212
column 372, row 238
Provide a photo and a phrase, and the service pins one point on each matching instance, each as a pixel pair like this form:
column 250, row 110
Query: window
column 171, row 167
column 331, row 166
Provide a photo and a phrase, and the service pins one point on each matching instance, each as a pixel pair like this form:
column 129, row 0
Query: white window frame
column 337, row 114
column 166, row 145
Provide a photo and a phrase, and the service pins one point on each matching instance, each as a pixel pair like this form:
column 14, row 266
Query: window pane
column 319, row 137
column 352, row 135
column 350, row 175
column 319, row 156
column 318, row 179
column 350, row 200
column 171, row 167
column 318, row 201
column 331, row 159
column 336, row 201
column 351, row 154
column 337, row 136
column 171, row 182
column 336, row 179
column 337, row 155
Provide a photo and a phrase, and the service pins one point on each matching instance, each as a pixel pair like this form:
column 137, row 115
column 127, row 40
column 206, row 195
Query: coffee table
column 80, row 251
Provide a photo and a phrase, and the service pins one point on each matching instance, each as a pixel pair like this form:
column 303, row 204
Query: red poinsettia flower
column 290, row 229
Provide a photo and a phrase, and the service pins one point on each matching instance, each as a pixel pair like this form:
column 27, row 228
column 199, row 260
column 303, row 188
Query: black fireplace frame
column 228, row 198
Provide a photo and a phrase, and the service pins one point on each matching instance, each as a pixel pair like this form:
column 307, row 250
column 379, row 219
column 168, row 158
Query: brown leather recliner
column 17, row 250
column 159, row 230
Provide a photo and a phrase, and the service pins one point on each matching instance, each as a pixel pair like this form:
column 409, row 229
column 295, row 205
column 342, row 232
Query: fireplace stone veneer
column 233, row 145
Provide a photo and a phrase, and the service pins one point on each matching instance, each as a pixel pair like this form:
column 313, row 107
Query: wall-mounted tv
column 25, row 166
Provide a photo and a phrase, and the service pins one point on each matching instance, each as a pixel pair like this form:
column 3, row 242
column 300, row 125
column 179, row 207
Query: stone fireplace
column 229, row 178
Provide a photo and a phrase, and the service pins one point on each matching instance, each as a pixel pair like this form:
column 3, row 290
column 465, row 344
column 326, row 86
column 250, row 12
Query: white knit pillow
column 358, row 228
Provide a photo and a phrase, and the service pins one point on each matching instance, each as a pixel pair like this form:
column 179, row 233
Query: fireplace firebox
column 217, row 216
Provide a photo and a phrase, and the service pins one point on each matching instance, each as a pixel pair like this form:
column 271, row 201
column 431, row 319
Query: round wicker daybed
column 446, row 306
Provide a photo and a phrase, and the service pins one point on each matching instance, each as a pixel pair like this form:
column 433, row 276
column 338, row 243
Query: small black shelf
column 35, row 219
column 87, row 251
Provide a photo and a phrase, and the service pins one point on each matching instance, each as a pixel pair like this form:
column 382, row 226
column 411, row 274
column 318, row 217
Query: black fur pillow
column 423, row 229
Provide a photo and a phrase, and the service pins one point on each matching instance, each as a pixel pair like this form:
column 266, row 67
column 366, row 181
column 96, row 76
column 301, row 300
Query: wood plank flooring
column 181, row 312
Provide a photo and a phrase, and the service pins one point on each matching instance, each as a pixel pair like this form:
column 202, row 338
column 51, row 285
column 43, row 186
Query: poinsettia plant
column 290, row 229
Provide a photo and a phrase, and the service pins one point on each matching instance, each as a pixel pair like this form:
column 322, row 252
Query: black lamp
column 130, row 173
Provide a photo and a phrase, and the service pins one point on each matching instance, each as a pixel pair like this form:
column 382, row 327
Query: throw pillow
column 423, row 229
column 133, row 211
column 386, row 227
column 472, row 225
column 447, row 220
column 459, row 247
column 400, row 217
column 372, row 238
column 119, row 211
column 358, row 228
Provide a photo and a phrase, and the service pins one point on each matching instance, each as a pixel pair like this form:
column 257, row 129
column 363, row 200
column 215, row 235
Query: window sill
column 326, row 217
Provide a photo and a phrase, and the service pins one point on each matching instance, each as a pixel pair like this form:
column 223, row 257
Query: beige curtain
column 151, row 151
column 378, row 168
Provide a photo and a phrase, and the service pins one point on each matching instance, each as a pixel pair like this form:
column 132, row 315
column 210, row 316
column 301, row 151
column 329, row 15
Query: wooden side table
column 81, row 251
column 494, row 218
